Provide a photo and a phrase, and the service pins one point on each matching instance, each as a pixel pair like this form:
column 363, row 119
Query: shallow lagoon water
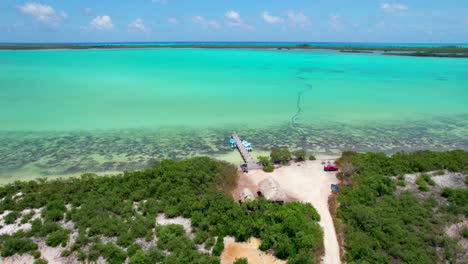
column 71, row 111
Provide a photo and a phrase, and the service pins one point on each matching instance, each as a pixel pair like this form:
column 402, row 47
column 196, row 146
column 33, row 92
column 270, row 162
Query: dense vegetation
column 123, row 209
column 384, row 226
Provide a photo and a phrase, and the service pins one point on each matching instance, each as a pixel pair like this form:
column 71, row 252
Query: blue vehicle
column 233, row 143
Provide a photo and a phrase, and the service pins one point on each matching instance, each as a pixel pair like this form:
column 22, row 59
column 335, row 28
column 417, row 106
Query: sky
column 398, row 21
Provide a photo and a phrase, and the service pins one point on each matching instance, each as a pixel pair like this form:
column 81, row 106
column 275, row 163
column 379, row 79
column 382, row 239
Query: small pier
column 251, row 164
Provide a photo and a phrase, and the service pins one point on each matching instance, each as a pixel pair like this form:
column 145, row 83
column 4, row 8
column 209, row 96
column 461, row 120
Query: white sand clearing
column 235, row 250
column 308, row 182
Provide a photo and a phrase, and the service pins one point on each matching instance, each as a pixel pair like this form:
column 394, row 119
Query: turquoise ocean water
column 68, row 111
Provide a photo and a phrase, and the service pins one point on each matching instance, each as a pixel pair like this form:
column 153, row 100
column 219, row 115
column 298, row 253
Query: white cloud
column 159, row 1
column 393, row 7
column 101, row 23
column 297, row 18
column 137, row 26
column 198, row 19
column 335, row 22
column 235, row 20
column 173, row 20
column 271, row 19
column 233, row 15
column 42, row 13
column 205, row 23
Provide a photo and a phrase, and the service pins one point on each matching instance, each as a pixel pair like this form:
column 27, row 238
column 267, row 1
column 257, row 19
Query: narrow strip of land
column 447, row 51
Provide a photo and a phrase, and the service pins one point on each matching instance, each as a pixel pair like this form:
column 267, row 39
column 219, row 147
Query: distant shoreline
column 447, row 51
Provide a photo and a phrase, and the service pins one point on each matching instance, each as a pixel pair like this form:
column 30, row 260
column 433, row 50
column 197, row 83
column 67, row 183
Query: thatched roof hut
column 271, row 190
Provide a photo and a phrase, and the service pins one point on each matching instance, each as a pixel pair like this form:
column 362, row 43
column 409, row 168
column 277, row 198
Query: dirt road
column 309, row 183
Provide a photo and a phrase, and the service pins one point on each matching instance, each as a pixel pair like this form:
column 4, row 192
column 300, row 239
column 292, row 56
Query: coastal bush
column 210, row 243
column 241, row 261
column 132, row 249
column 40, row 261
column 58, row 237
column 27, row 217
column 300, row 154
column 140, row 257
column 11, row 245
column 312, row 157
column 282, row 155
column 36, row 254
column 269, row 168
column 464, row 232
column 156, row 255
column 11, row 218
column 382, row 227
column 264, row 160
column 219, row 247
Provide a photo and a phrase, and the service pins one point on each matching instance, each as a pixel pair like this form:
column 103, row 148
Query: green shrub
column 300, row 154
column 264, row 160
column 465, row 232
column 156, row 255
column 81, row 256
column 219, row 247
column 401, row 183
column 16, row 245
column 27, row 217
column 132, row 249
column 241, row 261
column 422, row 182
column 423, row 187
column 11, row 218
column 269, row 168
column 65, row 253
column 139, row 257
column 125, row 239
column 54, row 210
column 282, row 155
column 312, row 157
column 58, row 237
column 200, row 237
column 36, row 254
column 113, row 254
column 40, row 261
column 209, row 243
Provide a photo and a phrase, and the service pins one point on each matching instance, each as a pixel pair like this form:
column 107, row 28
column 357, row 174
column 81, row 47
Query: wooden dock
column 251, row 164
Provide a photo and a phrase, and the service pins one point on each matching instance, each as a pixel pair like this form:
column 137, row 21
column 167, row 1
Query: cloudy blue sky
column 410, row 21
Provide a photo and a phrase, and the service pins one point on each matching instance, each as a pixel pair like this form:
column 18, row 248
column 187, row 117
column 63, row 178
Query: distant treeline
column 448, row 51
column 408, row 226
column 125, row 207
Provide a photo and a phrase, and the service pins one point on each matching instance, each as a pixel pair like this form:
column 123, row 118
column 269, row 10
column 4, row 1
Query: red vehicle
column 330, row 168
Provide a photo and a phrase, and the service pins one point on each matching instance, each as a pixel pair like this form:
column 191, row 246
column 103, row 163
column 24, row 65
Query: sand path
column 309, row 183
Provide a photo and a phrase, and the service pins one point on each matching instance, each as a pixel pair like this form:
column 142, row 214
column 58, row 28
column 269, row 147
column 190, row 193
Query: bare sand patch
column 234, row 250
column 308, row 182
